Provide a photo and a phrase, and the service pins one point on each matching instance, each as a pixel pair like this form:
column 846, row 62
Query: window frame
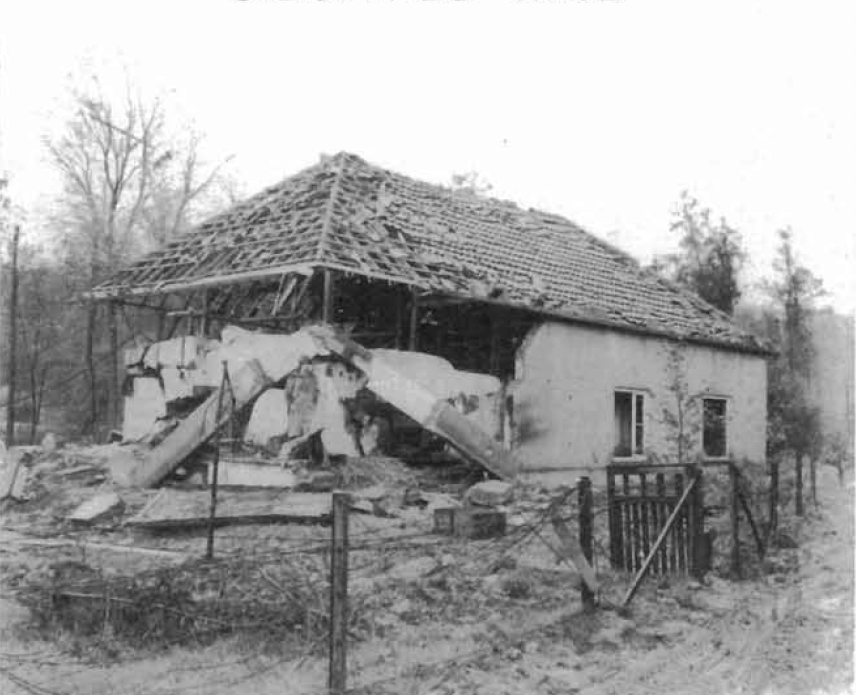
column 634, row 455
column 726, row 400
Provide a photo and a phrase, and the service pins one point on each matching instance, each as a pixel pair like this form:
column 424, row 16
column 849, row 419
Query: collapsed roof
column 346, row 214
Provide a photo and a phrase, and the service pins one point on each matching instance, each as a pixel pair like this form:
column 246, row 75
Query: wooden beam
column 328, row 304
column 399, row 318
column 493, row 359
column 413, row 340
column 203, row 322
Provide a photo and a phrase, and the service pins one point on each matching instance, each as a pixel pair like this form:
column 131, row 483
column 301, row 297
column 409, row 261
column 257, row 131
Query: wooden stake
column 215, row 464
column 339, row 594
column 586, row 538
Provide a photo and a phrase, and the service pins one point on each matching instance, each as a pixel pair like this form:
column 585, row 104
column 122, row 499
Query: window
column 629, row 423
column 713, row 434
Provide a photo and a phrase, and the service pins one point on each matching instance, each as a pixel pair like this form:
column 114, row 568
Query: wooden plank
column 646, row 538
column 648, row 468
column 177, row 509
column 634, row 586
column 637, row 540
column 649, row 497
column 97, row 507
column 662, row 515
column 615, row 549
column 627, row 531
column 674, row 552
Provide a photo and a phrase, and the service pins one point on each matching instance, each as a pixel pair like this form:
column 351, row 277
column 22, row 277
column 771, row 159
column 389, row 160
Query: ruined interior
column 167, row 379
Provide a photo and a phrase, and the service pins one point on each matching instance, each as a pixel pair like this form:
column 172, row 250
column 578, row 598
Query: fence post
column 774, row 501
column 615, row 554
column 586, row 537
column 339, row 594
column 215, row 465
column 735, row 520
column 700, row 554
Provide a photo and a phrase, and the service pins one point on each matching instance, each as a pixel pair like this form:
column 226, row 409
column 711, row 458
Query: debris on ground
column 97, row 508
column 174, row 509
column 491, row 493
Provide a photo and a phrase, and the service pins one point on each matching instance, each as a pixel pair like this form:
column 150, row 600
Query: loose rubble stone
column 490, row 493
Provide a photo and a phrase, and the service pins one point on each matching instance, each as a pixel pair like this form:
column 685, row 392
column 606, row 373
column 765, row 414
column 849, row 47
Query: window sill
column 635, row 458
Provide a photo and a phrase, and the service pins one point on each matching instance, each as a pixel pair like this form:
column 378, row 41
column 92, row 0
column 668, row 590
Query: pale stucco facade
column 564, row 395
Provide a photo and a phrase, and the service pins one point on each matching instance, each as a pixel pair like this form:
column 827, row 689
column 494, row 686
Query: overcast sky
column 600, row 110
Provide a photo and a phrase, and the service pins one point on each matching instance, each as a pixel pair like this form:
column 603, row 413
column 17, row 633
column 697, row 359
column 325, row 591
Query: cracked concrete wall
column 567, row 375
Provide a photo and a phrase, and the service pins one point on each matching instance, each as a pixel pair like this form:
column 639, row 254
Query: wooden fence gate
column 640, row 500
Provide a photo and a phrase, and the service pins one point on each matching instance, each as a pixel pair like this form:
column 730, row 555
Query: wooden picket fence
column 641, row 499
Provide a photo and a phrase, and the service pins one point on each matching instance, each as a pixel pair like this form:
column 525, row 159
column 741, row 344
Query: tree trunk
column 812, row 471
column 114, row 390
column 90, row 366
column 799, row 491
column 13, row 332
column 774, row 500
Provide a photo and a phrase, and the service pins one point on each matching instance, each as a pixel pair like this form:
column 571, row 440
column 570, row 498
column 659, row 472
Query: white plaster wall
column 565, row 384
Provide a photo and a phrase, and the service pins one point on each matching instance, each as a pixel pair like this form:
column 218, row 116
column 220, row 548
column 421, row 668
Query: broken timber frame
column 432, row 413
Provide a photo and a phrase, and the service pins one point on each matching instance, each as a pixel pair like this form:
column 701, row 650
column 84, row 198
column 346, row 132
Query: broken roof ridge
column 346, row 213
column 323, row 238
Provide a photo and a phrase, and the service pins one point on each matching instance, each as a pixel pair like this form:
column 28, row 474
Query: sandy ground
column 788, row 631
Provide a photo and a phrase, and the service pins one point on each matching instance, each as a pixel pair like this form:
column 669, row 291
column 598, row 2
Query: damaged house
column 554, row 344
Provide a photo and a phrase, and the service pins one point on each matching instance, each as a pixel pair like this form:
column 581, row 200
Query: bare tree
column 127, row 184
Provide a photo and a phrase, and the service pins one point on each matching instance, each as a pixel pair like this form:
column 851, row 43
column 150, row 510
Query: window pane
column 623, row 423
column 713, row 437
